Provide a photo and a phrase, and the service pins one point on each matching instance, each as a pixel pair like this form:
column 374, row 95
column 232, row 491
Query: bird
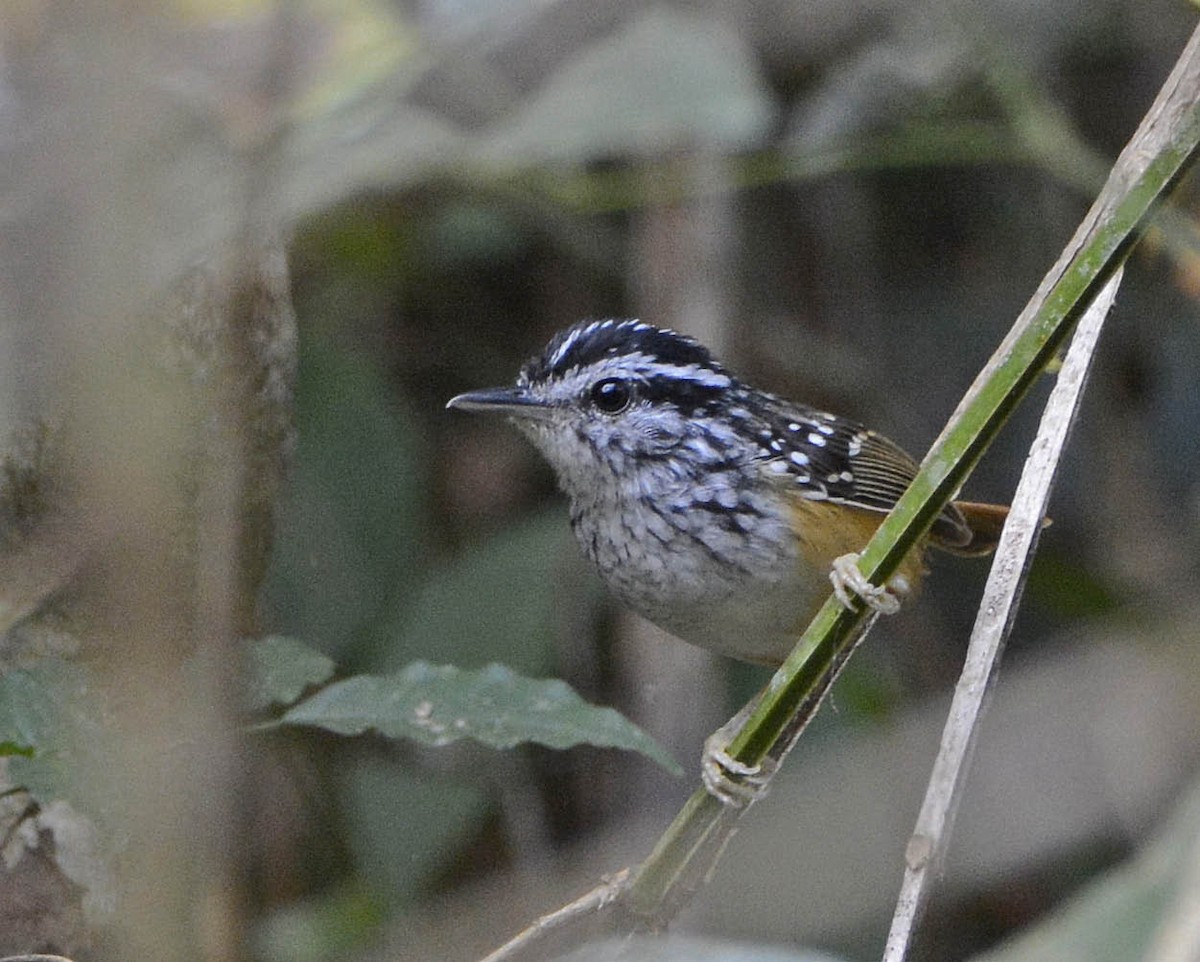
column 713, row 509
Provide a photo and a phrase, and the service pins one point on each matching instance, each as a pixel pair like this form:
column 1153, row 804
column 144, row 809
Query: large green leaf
column 436, row 705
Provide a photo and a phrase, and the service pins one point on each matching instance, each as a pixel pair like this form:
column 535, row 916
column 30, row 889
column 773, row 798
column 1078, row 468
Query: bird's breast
column 725, row 575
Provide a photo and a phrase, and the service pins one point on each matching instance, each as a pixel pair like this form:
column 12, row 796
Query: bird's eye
column 612, row 395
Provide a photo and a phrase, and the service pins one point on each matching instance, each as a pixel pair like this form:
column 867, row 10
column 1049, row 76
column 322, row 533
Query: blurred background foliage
column 849, row 200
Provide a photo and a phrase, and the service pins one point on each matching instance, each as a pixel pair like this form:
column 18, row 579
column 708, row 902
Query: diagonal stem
column 931, row 837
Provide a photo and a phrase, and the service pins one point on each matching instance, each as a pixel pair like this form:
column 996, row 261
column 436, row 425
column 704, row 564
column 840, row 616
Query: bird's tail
column 986, row 521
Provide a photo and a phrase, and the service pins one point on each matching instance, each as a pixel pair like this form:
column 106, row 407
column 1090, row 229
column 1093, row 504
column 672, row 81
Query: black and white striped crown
column 667, row 364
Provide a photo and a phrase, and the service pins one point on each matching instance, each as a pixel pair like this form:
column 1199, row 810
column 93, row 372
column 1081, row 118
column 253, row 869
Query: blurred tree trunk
column 148, row 424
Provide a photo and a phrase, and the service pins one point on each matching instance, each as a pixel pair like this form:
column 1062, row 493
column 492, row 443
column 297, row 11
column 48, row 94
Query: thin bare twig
column 931, row 837
column 565, row 921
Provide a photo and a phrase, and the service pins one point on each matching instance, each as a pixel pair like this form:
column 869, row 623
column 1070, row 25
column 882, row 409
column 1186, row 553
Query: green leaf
column 279, row 669
column 437, row 705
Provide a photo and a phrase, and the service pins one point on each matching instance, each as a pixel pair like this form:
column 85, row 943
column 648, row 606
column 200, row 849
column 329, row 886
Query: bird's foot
column 849, row 583
column 731, row 782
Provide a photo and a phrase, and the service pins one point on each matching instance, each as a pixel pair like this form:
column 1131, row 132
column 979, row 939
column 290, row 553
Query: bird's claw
column 849, row 583
column 731, row 782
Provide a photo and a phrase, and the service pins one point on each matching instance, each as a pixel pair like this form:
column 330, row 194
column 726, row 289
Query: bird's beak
column 515, row 402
